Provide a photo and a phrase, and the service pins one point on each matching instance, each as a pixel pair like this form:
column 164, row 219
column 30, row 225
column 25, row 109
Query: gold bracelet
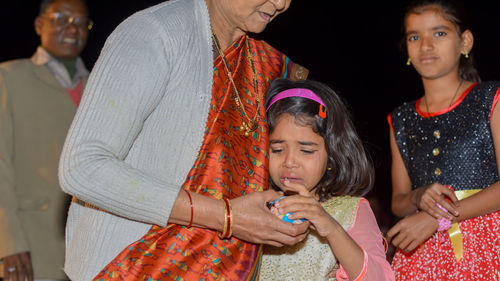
column 221, row 234
column 228, row 221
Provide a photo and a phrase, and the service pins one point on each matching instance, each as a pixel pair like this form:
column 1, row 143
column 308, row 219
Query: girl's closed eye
column 308, row 151
column 276, row 146
column 276, row 150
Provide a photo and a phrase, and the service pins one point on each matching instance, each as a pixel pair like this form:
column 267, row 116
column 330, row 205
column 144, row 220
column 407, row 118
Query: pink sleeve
column 366, row 233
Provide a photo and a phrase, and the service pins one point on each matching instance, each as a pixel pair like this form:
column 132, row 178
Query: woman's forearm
column 252, row 221
column 207, row 212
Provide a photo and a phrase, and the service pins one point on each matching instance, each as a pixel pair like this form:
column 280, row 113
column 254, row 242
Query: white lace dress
column 312, row 259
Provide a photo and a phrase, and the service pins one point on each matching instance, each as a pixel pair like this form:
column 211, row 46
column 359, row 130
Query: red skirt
column 435, row 259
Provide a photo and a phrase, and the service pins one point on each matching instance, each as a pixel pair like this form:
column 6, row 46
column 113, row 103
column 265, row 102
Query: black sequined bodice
column 455, row 148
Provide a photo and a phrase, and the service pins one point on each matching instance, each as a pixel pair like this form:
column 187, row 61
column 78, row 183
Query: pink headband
column 301, row 93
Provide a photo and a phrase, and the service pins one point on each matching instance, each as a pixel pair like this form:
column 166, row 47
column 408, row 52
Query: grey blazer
column 35, row 115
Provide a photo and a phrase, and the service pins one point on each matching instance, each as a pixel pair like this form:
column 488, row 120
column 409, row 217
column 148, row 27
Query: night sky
column 352, row 46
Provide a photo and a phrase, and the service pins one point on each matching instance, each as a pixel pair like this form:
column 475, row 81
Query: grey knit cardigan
column 137, row 131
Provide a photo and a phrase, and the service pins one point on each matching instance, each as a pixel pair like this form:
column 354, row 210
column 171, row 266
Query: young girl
column 316, row 155
column 444, row 152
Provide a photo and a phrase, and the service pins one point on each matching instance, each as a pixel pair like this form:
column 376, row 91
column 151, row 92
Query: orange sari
column 229, row 165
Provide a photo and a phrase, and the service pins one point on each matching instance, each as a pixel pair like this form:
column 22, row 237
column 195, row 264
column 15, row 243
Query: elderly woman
column 170, row 143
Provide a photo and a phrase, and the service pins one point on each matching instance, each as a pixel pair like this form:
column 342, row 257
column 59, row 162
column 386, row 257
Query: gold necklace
column 452, row 98
column 251, row 124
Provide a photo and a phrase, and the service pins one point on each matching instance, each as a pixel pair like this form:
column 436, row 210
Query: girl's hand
column 427, row 198
column 412, row 231
column 306, row 206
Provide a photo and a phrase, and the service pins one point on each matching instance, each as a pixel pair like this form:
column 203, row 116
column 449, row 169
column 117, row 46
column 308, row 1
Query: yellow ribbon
column 454, row 231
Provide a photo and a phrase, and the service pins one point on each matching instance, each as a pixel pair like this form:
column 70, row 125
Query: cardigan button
column 437, row 172
column 436, row 151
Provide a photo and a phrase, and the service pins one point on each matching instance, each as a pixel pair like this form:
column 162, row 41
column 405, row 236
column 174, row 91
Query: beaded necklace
column 251, row 124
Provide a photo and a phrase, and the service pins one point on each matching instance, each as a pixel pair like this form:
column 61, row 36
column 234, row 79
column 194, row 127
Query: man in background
column 38, row 100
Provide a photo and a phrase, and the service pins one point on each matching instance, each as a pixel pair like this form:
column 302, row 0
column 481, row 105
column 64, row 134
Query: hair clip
column 322, row 111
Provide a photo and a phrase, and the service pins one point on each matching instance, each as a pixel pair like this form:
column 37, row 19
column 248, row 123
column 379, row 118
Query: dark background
column 352, row 46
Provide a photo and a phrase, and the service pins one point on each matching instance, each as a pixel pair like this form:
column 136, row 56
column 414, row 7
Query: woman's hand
column 254, row 222
column 412, row 231
column 427, row 198
column 18, row 267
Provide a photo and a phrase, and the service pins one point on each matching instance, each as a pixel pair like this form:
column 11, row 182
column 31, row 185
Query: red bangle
column 192, row 209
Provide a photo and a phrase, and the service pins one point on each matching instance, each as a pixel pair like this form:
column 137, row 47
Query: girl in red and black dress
column 445, row 147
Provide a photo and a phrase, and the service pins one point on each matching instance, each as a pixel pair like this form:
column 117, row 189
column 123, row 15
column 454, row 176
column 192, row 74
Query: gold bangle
column 221, row 234
column 227, row 232
column 230, row 219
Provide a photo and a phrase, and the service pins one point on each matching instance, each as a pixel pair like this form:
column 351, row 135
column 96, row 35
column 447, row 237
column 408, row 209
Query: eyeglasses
column 63, row 20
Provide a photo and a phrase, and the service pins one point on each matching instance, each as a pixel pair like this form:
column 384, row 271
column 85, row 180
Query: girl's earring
column 466, row 55
column 408, row 62
column 329, row 168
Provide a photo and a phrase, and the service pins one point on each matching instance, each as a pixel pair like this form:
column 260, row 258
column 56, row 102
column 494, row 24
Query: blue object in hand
column 283, row 217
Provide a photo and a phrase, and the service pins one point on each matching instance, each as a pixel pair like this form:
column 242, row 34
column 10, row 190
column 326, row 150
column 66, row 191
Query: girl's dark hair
column 454, row 13
column 351, row 171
